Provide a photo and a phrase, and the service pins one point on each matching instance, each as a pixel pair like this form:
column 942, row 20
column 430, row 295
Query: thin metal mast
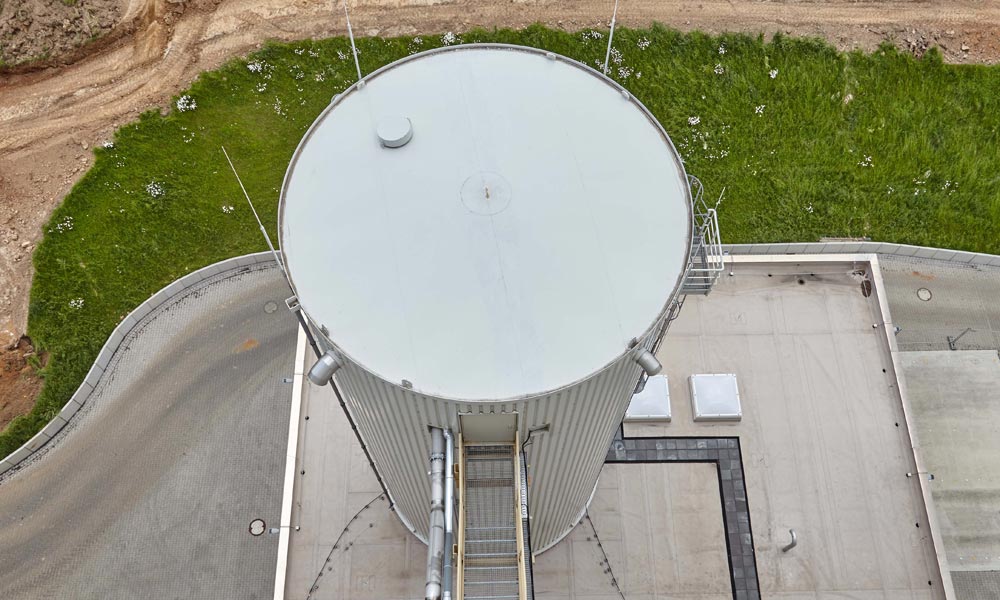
column 350, row 34
column 267, row 238
column 611, row 36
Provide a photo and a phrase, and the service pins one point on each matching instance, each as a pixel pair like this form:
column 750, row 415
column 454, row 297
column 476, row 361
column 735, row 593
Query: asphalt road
column 150, row 494
column 932, row 300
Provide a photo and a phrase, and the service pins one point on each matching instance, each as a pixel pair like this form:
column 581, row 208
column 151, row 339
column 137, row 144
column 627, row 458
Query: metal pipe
column 449, row 511
column 793, row 543
column 435, row 537
column 343, row 407
column 648, row 362
column 953, row 340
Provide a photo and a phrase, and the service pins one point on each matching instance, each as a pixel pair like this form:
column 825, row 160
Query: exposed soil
column 39, row 29
column 52, row 112
column 18, row 382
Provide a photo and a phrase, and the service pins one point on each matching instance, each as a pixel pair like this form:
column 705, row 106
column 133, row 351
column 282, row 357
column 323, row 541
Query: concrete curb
column 124, row 328
column 954, row 256
column 291, row 464
column 884, row 323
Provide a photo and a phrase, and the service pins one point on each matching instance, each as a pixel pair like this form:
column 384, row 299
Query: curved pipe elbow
column 645, row 359
column 322, row 372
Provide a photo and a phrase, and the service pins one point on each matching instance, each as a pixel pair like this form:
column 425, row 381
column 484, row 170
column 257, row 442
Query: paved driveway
column 151, row 492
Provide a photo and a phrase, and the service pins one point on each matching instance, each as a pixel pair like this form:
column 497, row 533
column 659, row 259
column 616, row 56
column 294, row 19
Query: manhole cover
column 257, row 526
column 924, row 294
column 270, row 307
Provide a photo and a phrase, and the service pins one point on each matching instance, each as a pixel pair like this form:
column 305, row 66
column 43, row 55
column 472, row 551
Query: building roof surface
column 535, row 196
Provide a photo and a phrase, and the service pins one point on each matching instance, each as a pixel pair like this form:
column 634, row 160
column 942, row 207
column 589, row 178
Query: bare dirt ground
column 52, row 113
column 18, row 383
column 33, row 29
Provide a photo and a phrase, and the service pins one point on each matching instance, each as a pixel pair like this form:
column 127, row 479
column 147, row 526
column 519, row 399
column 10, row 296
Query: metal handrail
column 519, row 516
column 706, row 263
column 460, row 553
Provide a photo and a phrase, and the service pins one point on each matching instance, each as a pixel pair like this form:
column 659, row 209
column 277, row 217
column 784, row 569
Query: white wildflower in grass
column 418, row 40
column 108, row 145
column 313, row 54
column 865, row 162
column 643, row 43
column 722, row 49
column 848, row 98
column 154, row 189
column 638, row 75
column 694, row 120
column 616, row 56
column 319, row 77
column 261, row 87
column 299, row 51
column 65, row 225
column 449, row 38
column 759, row 110
column 255, row 66
column 809, row 208
column 592, row 35
column 889, row 189
column 719, row 69
column 228, row 208
column 624, row 72
column 279, row 108
column 76, row 303
column 773, row 73
column 341, row 55
column 186, row 103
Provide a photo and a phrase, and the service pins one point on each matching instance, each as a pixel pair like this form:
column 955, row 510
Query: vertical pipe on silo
column 435, row 537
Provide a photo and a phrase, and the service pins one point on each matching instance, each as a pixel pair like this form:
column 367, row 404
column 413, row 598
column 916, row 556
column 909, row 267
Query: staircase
column 493, row 554
column 706, row 262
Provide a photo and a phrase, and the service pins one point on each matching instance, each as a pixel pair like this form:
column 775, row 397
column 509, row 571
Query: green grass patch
column 808, row 142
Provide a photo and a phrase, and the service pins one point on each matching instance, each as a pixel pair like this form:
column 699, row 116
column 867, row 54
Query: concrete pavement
column 151, row 492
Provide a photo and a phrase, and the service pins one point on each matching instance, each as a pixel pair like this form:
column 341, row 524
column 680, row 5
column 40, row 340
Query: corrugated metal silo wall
column 564, row 463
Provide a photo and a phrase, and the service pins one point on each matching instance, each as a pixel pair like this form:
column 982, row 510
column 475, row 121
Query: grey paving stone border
column 82, row 394
column 724, row 453
column 955, row 256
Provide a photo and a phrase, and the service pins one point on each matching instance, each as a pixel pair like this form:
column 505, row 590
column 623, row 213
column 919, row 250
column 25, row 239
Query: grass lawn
column 808, row 142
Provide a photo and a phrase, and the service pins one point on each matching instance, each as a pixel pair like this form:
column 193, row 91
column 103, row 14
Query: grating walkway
column 490, row 566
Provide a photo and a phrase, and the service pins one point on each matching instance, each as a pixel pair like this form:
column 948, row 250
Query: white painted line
column 798, row 258
column 884, row 320
column 925, row 492
column 291, row 454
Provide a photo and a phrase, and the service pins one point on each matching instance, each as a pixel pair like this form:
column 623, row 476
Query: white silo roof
column 418, row 276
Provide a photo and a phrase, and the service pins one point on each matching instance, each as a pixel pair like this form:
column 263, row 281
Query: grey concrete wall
column 956, row 256
column 110, row 347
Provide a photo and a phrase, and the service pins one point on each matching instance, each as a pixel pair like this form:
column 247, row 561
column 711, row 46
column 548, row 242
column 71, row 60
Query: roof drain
column 435, row 537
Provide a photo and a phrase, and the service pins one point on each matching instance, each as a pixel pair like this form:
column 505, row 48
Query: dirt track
column 50, row 118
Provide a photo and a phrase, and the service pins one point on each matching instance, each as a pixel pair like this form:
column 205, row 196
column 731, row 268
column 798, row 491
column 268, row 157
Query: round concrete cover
column 536, row 222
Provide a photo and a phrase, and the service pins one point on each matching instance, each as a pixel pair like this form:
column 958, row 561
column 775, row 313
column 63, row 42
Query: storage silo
column 487, row 239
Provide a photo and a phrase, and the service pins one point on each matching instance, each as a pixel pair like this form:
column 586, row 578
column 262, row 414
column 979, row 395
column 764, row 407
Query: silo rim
column 355, row 88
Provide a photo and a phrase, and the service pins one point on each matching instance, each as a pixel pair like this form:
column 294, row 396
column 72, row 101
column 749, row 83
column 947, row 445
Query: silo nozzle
column 325, row 367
